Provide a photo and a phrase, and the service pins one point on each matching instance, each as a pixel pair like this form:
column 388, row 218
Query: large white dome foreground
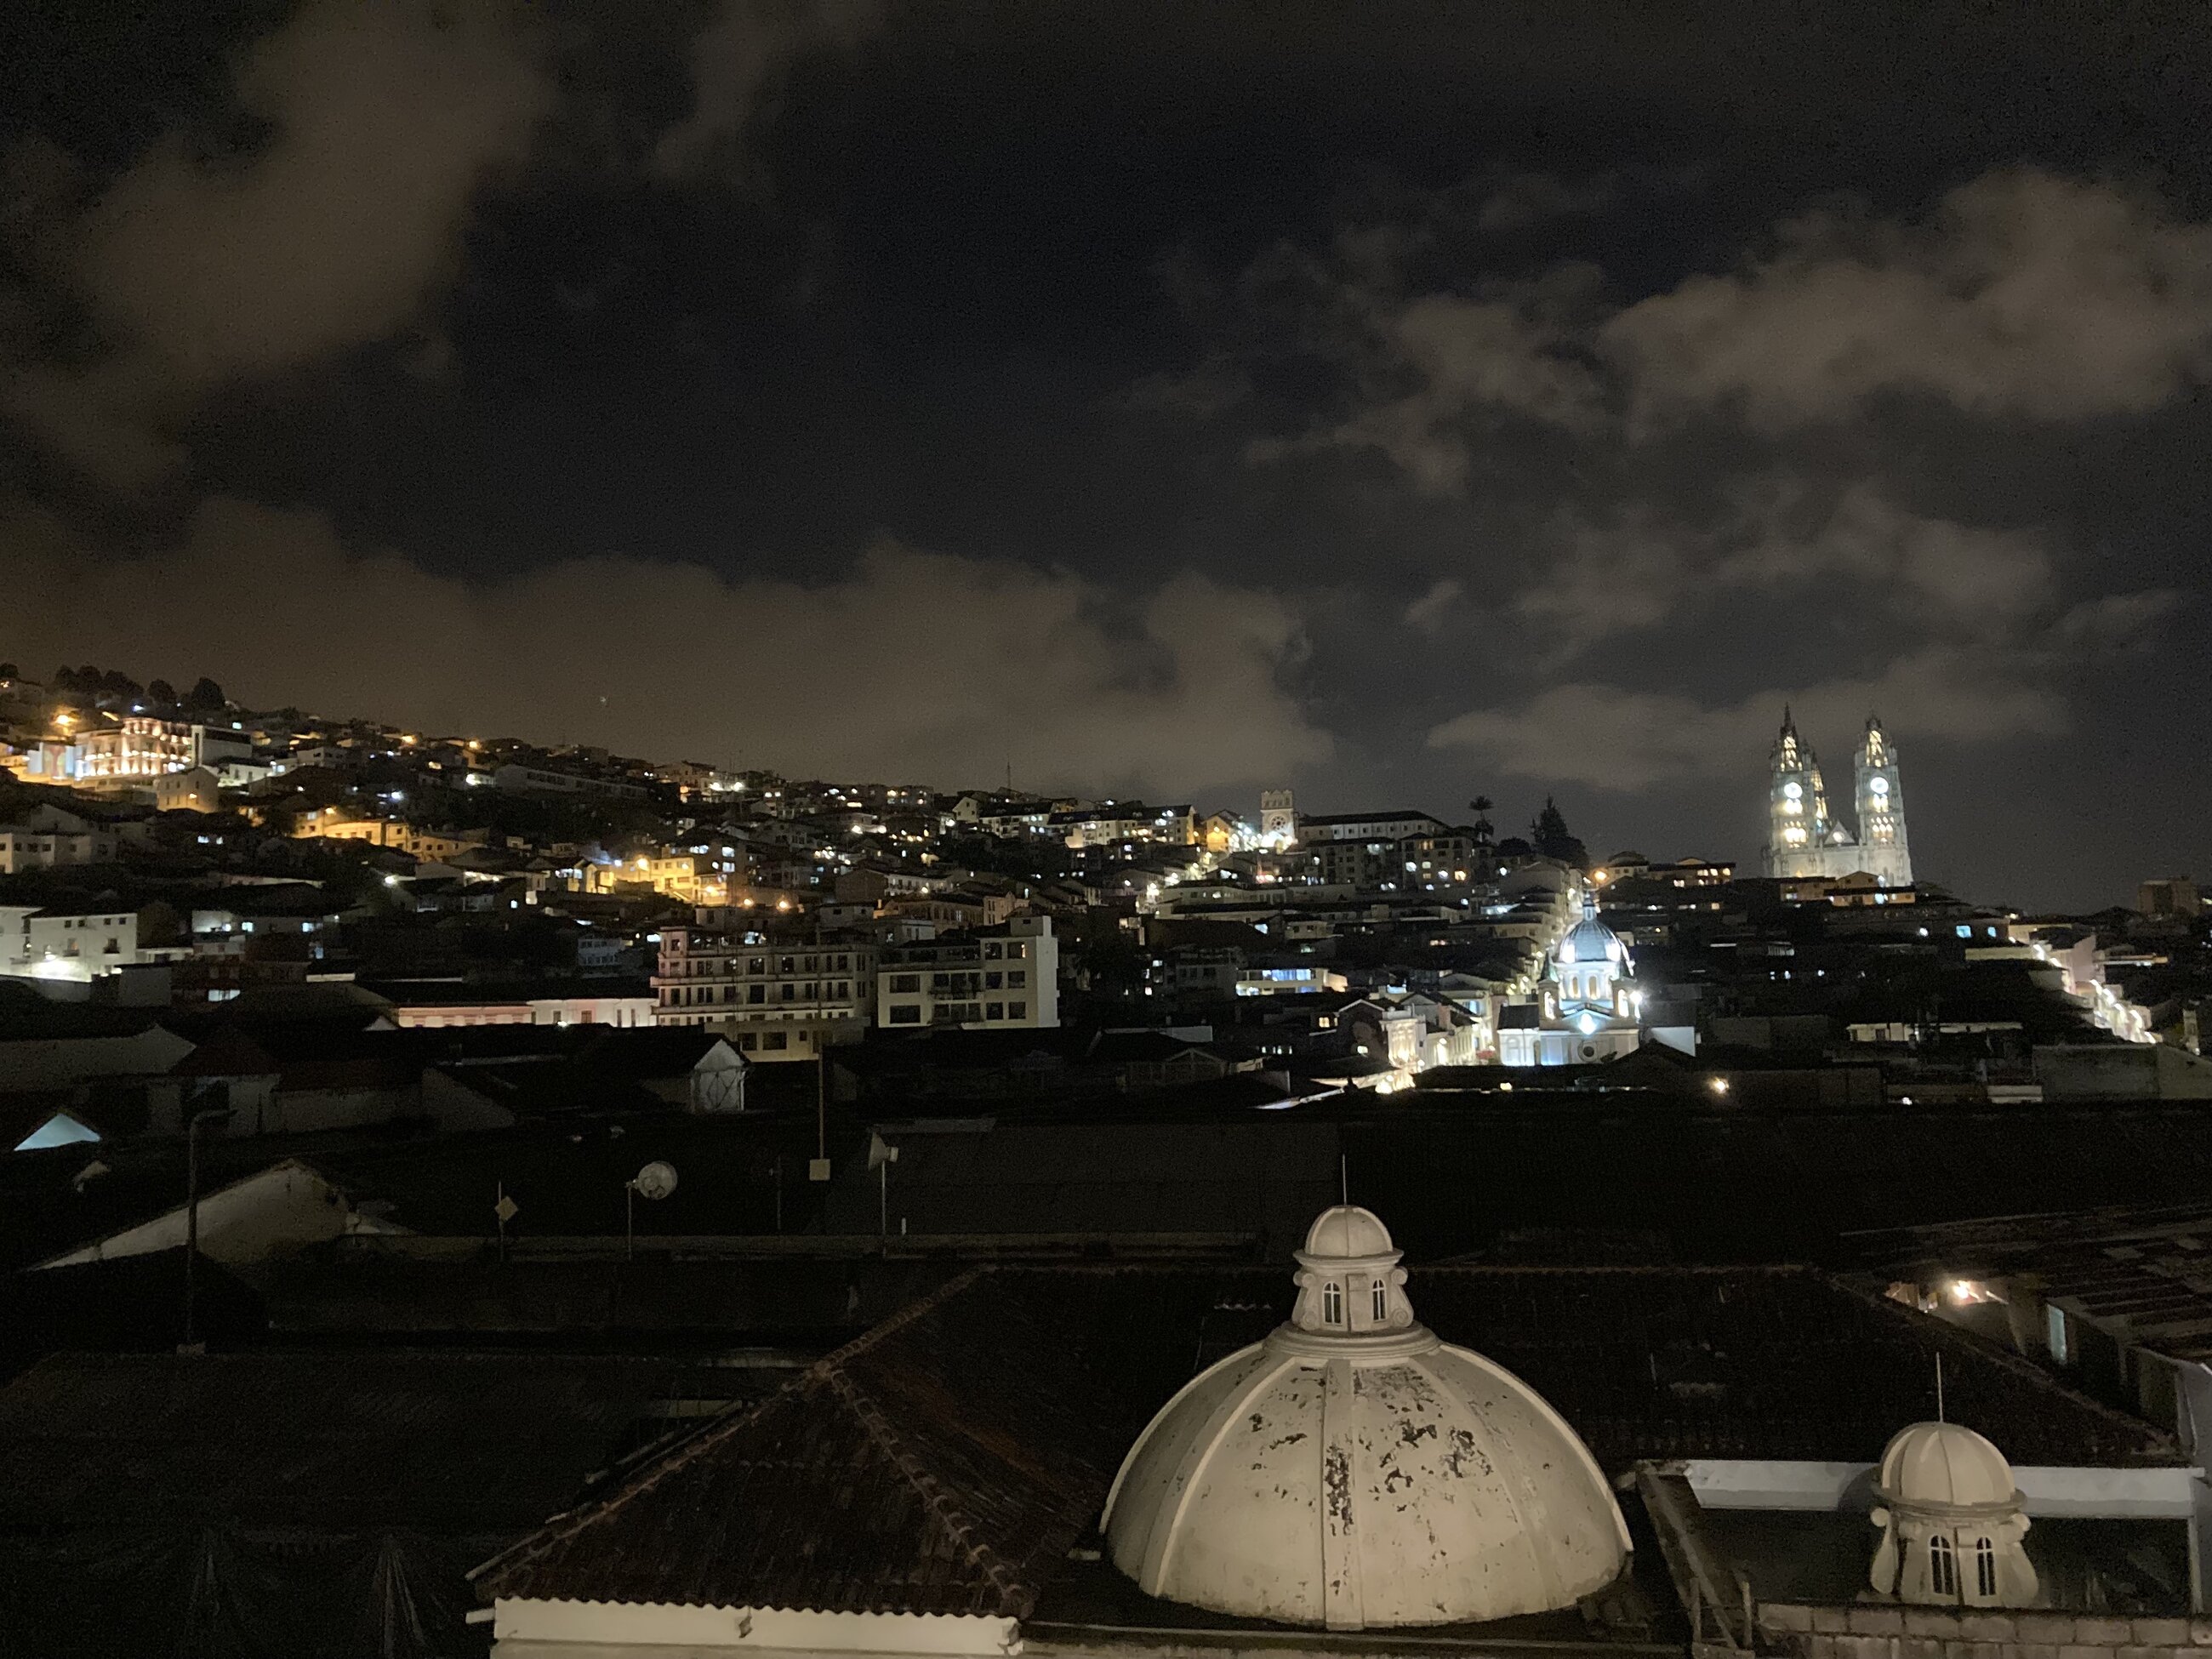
column 1353, row 1471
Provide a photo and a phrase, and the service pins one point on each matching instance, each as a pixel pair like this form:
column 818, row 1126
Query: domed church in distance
column 1354, row 1471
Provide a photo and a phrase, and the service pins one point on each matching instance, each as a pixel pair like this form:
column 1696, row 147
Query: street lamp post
column 220, row 1115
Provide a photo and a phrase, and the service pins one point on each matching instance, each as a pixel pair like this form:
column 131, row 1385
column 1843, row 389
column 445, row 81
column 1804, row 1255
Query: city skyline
column 1397, row 410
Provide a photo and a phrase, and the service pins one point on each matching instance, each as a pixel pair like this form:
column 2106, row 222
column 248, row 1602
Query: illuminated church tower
column 1883, row 852
column 1802, row 840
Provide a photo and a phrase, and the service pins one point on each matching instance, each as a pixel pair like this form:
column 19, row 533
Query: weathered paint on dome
column 1363, row 1478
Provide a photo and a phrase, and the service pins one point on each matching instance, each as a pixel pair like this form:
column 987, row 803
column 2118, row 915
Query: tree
column 120, row 686
column 205, row 694
column 1550, row 836
column 1483, row 828
column 163, row 692
column 63, row 682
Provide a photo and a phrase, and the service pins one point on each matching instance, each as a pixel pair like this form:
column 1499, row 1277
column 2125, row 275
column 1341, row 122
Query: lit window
column 1382, row 1301
column 1331, row 1303
column 1986, row 1568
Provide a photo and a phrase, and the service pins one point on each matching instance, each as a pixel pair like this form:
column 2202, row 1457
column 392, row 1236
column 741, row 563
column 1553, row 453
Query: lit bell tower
column 1796, row 807
column 1880, row 802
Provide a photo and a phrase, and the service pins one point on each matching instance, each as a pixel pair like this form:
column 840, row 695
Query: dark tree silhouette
column 1483, row 826
column 1550, row 835
column 204, row 694
column 163, row 692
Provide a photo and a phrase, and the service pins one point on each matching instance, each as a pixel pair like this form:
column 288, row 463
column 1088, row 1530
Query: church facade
column 1803, row 838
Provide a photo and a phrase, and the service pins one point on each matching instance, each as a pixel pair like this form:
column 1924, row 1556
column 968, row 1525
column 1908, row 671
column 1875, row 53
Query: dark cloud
column 1378, row 400
column 384, row 119
column 915, row 665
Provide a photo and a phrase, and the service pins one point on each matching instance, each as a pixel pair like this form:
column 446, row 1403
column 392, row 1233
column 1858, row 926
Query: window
column 907, row 983
column 993, row 981
column 1943, row 1566
column 906, row 1013
column 1017, row 1010
column 1382, row 1301
column 1016, row 978
column 776, row 1039
column 1017, row 952
column 993, row 952
column 1986, row 1568
column 1331, row 1303
column 994, row 1011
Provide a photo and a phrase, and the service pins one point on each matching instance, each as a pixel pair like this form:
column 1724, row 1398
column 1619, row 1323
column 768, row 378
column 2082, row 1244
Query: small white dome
column 1945, row 1465
column 1345, row 1230
column 1353, row 1471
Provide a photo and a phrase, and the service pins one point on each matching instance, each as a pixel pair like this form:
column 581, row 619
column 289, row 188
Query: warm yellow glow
column 1719, row 1085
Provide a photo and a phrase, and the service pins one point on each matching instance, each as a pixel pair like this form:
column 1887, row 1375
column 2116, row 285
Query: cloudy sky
column 1403, row 402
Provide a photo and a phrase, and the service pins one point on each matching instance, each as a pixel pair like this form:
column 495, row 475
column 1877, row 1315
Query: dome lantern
column 1354, row 1471
column 1952, row 1521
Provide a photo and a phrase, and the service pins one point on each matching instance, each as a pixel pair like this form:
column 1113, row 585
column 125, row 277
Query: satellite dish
column 655, row 1180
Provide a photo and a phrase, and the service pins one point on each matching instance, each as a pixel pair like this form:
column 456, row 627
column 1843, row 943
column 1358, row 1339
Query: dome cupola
column 1354, row 1471
column 1951, row 1522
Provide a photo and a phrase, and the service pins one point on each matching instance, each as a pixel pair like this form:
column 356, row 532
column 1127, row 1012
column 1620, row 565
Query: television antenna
column 655, row 1181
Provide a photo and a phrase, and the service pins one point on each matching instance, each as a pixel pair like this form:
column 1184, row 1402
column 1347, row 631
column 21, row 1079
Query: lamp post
column 219, row 1115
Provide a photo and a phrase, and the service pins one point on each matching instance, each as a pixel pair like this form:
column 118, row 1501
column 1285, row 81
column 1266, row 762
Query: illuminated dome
column 1591, row 940
column 1345, row 1230
column 1355, row 1471
column 1952, row 1521
column 1947, row 1465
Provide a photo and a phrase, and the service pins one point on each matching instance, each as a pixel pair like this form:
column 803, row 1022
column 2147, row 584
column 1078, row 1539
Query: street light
column 216, row 1115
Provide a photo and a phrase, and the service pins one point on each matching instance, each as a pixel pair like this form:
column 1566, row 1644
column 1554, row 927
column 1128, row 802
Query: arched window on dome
column 1943, row 1566
column 1331, row 1303
column 1985, row 1568
column 1382, row 1301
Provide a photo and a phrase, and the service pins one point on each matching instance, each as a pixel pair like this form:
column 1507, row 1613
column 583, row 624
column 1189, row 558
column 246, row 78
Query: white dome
column 1945, row 1465
column 1354, row 1471
column 1345, row 1230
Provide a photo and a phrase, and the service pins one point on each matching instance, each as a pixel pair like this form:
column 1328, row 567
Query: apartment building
column 50, row 837
column 773, row 1001
column 990, row 979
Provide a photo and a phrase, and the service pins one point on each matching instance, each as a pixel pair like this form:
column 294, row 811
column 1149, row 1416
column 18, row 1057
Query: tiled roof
column 459, row 1444
column 941, row 1464
column 945, row 1462
column 2145, row 1270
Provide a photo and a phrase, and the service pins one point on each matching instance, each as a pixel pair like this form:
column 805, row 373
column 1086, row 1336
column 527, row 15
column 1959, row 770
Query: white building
column 774, row 1002
column 65, row 943
column 48, row 837
column 1586, row 1009
column 990, row 979
column 1803, row 839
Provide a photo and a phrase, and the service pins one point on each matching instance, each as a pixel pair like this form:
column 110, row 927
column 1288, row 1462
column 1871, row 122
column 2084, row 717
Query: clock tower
column 1880, row 803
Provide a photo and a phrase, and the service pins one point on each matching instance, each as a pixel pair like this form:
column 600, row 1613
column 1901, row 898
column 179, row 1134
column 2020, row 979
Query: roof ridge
column 2151, row 1441
column 566, row 1523
column 1015, row 1598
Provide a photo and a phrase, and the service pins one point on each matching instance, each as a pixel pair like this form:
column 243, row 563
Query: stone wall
column 1887, row 1631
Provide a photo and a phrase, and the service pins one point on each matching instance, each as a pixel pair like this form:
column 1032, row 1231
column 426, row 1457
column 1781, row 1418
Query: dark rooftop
column 946, row 1461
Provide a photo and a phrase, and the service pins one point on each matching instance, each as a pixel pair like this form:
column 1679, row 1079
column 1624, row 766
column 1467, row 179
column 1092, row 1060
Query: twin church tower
column 1804, row 841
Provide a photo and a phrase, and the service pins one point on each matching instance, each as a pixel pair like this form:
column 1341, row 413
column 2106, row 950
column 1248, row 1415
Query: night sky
column 1402, row 402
